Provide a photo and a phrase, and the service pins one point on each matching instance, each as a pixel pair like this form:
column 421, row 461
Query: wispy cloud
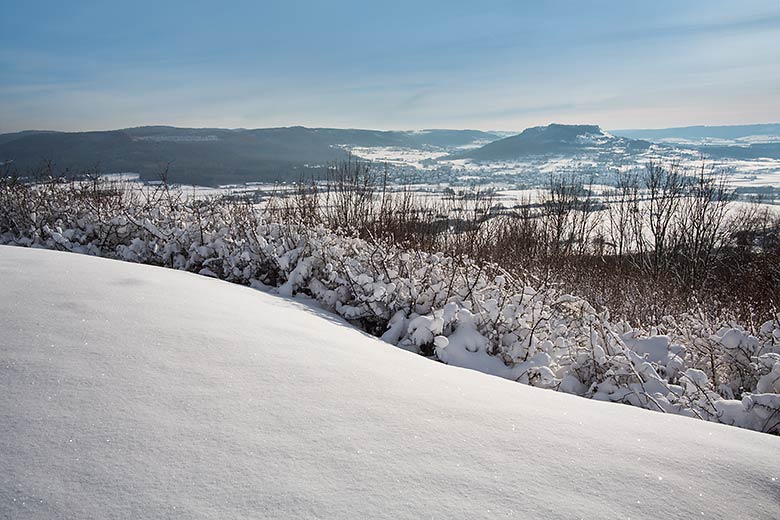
column 406, row 65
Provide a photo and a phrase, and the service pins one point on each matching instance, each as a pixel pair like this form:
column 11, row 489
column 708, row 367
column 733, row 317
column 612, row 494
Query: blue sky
column 79, row 65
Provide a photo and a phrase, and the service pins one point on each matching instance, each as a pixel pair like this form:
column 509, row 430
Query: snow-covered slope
column 129, row 391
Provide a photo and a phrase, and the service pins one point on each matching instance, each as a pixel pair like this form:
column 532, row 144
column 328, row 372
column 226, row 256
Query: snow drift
column 131, row 391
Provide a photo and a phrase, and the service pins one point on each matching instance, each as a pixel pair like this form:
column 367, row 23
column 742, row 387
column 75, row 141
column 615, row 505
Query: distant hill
column 696, row 133
column 217, row 156
column 744, row 152
column 554, row 139
column 212, row 156
column 746, row 142
column 5, row 138
column 449, row 138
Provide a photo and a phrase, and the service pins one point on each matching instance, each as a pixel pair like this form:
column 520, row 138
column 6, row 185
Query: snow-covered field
column 130, row 391
column 598, row 167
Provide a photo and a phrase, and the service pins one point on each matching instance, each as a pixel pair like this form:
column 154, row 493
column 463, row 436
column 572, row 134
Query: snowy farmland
column 435, row 167
column 131, row 391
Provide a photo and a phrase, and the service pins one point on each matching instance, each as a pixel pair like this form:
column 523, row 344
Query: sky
column 491, row 65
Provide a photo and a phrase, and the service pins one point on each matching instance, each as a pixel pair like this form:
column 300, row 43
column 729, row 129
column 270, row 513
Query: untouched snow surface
column 130, row 391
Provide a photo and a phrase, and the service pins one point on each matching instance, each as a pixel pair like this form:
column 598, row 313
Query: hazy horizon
column 488, row 130
column 88, row 66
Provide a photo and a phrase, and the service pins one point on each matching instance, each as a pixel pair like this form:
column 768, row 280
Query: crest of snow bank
column 449, row 309
column 130, row 391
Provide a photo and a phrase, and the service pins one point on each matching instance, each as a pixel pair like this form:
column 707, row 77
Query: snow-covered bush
column 454, row 310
